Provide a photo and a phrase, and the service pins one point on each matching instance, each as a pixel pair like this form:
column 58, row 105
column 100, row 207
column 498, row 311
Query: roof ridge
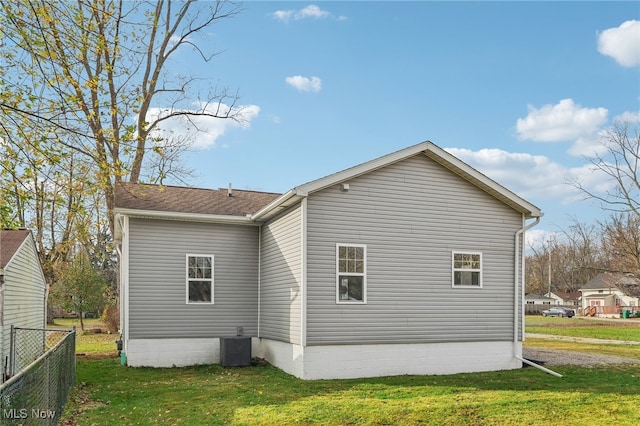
column 156, row 185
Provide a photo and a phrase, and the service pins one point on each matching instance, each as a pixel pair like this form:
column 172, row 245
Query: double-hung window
column 467, row 269
column 351, row 269
column 199, row 278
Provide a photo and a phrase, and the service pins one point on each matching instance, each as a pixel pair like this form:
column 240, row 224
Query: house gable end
column 429, row 149
column 10, row 243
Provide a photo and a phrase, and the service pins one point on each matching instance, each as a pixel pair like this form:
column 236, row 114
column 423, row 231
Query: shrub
column 111, row 318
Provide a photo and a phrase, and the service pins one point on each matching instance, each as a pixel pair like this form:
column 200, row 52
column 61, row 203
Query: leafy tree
column 80, row 288
column 84, row 89
column 93, row 76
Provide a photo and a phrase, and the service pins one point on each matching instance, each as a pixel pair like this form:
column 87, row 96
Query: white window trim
column 363, row 275
column 186, row 275
column 454, row 270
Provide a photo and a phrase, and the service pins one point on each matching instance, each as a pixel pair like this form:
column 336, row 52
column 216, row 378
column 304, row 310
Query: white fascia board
column 117, row 227
column 285, row 200
column 192, row 217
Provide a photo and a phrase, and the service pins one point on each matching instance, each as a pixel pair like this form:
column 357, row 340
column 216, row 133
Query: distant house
column 565, row 298
column 536, row 303
column 608, row 291
column 411, row 263
column 23, row 290
column 537, row 299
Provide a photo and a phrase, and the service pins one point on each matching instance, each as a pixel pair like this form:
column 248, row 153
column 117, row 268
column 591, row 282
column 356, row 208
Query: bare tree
column 583, row 259
column 164, row 162
column 94, row 75
column 621, row 243
column 620, row 161
column 567, row 262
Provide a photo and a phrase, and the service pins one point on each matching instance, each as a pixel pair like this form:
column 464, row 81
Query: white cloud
column 529, row 176
column 622, row 43
column 629, row 116
column 536, row 177
column 305, row 84
column 312, row 11
column 587, row 146
column 593, row 179
column 595, row 145
column 537, row 239
column 283, row 15
column 203, row 131
column 564, row 121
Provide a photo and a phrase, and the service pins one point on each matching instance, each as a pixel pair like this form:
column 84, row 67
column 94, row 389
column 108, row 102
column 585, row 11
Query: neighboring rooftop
column 234, row 202
column 606, row 280
column 568, row 295
column 10, row 242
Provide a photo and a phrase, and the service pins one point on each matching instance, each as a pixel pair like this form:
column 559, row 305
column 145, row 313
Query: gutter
column 517, row 307
column 275, row 204
column 194, row 217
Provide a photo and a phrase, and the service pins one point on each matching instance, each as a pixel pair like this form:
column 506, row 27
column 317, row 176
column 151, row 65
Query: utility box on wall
column 235, row 351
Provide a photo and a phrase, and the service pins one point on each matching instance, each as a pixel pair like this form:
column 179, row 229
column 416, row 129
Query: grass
column 108, row 393
column 264, row 395
column 582, row 327
column 89, row 342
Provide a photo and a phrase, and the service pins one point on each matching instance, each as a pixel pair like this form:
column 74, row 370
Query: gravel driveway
column 560, row 357
column 550, row 357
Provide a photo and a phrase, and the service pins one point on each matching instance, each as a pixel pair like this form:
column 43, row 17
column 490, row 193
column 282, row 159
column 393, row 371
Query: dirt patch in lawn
column 549, row 357
column 90, row 356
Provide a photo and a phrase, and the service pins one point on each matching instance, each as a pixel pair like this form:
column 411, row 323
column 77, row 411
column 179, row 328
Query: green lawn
column 89, row 342
column 112, row 394
column 108, row 393
column 582, row 327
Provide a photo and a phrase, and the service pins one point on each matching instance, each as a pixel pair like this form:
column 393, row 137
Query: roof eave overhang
column 182, row 216
column 278, row 205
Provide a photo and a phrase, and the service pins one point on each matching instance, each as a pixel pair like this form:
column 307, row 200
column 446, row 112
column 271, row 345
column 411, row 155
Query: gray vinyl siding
column 24, row 294
column 281, row 277
column 411, row 215
column 157, row 279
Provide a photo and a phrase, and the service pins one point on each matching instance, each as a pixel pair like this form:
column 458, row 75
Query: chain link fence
column 40, row 372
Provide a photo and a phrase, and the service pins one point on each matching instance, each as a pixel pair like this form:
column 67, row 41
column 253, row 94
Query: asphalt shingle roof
column 190, row 200
column 628, row 284
column 10, row 241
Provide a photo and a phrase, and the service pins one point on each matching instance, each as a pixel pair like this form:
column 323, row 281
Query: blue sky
column 518, row 90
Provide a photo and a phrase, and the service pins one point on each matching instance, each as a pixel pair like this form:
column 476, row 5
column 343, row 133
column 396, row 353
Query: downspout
column 123, row 252
column 517, row 303
column 3, row 366
column 303, row 283
column 259, row 273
